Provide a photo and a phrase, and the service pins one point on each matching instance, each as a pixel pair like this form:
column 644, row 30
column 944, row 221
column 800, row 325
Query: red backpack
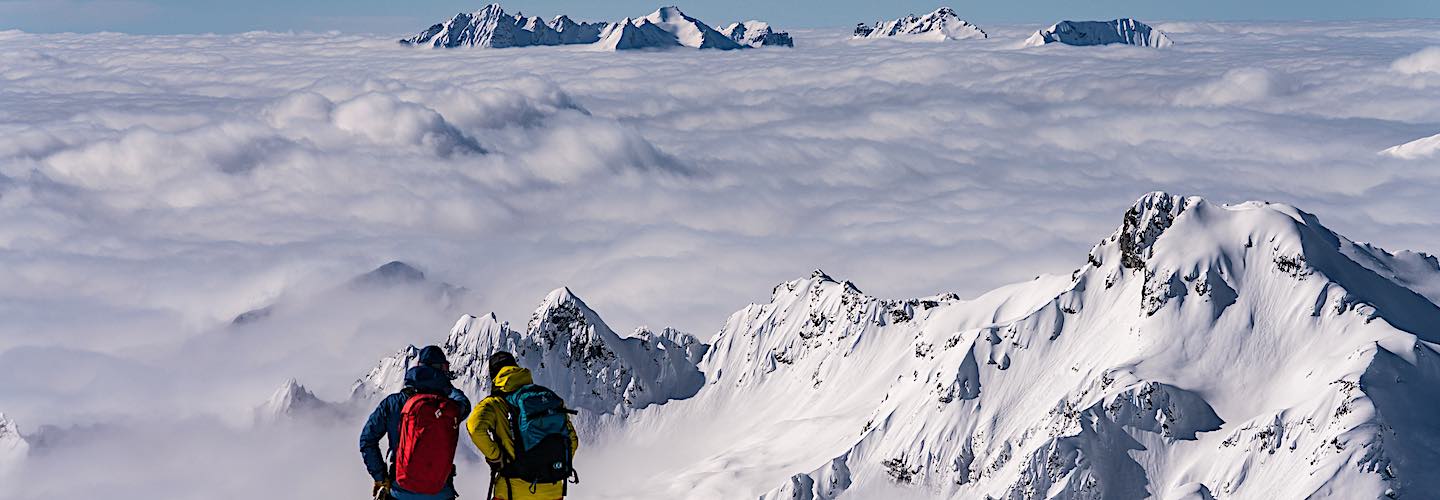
column 429, row 431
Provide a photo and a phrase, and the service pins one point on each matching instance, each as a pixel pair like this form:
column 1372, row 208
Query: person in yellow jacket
column 490, row 430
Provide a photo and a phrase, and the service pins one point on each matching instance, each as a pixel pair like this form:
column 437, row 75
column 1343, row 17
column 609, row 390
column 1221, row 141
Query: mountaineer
column 524, row 432
column 423, row 425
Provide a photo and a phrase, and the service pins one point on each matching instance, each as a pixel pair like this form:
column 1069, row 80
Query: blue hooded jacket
column 385, row 421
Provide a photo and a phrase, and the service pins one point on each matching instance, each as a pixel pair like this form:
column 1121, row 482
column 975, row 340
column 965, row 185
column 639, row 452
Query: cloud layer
column 152, row 188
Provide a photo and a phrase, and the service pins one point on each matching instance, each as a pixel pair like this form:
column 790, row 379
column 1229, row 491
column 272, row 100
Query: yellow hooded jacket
column 490, row 430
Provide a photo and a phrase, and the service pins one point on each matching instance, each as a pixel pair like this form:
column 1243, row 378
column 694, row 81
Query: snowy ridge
column 1233, row 351
column 1118, row 31
column 569, row 349
column 757, row 34
column 941, row 25
column 489, row 27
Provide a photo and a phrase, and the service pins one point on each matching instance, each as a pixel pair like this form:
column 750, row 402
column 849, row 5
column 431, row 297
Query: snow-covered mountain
column 757, row 34
column 1201, row 351
column 292, row 400
column 941, row 25
column 13, row 446
column 1426, row 147
column 689, row 31
column 1118, row 31
column 569, row 349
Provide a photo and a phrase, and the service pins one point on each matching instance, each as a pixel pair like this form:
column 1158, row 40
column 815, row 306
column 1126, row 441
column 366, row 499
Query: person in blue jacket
column 432, row 375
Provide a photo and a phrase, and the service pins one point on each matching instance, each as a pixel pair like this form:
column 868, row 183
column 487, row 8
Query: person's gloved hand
column 381, row 490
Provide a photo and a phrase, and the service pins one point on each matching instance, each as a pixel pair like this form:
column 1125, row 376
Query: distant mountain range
column 667, row 27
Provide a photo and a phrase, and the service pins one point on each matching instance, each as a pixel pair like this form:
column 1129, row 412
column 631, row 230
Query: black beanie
column 500, row 360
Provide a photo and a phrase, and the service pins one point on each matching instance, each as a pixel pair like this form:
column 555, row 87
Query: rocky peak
column 1144, row 223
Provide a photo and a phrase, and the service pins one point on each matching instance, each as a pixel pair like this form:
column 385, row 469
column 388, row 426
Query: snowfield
column 1011, row 303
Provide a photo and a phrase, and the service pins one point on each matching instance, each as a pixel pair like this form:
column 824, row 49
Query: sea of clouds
column 154, row 187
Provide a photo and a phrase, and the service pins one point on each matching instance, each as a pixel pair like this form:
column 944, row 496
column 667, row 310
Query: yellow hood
column 512, row 377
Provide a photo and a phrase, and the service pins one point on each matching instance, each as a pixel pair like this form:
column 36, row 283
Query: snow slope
column 1414, row 150
column 1118, row 31
column 569, row 349
column 757, row 34
column 1201, row 350
column 941, row 25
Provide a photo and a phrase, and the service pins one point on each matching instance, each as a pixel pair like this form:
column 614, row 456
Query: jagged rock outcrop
column 1118, row 31
column 940, row 25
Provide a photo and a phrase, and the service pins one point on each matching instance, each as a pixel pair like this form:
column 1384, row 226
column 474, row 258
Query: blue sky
column 390, row 16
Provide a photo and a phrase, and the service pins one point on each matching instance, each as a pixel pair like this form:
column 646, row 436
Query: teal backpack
column 539, row 424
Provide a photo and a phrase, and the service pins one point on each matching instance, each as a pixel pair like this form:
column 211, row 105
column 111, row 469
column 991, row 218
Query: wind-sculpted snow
column 153, row 188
